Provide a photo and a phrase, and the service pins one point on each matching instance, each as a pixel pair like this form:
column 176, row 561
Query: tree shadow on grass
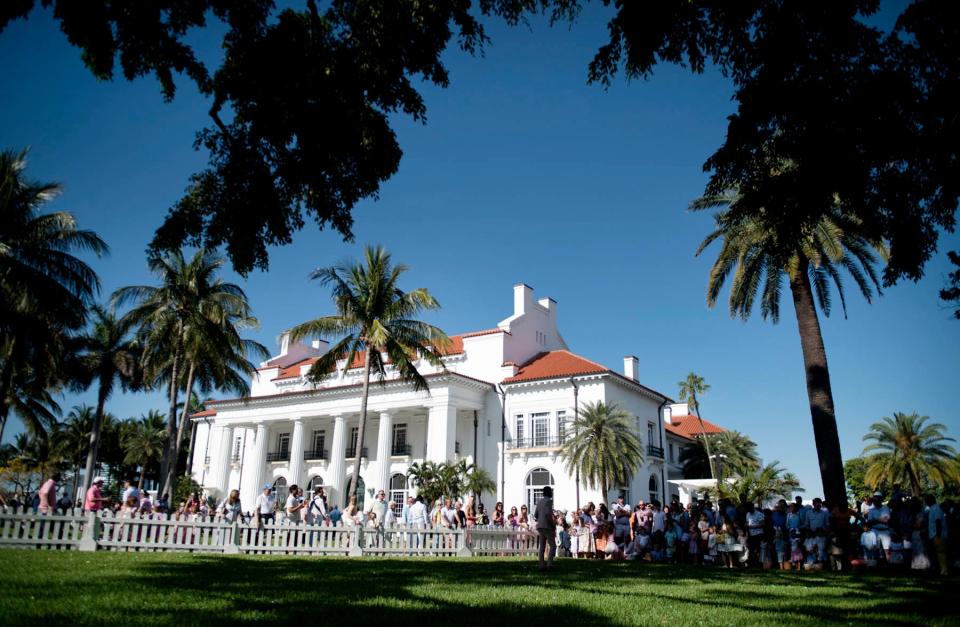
column 199, row 589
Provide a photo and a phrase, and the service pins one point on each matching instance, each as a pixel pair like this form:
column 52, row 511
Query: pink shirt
column 91, row 503
column 48, row 496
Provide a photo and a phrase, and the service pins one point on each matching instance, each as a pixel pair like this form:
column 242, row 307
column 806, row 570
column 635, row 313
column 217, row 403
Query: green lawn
column 39, row 587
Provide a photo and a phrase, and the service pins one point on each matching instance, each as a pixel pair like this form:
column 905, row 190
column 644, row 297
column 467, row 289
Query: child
column 836, row 554
column 896, row 550
column 563, row 550
column 710, row 556
column 870, row 543
column 693, row 544
column 659, row 552
column 670, row 539
column 744, row 550
column 780, row 546
column 575, row 538
column 796, row 552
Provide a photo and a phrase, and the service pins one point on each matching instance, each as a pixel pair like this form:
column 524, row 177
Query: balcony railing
column 401, row 449
column 352, row 452
column 655, row 451
column 316, row 454
column 535, row 442
column 282, row 456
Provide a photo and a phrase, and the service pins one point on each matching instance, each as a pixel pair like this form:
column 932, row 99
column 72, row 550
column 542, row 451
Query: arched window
column 537, row 480
column 654, row 488
column 398, row 492
column 315, row 482
column 281, row 490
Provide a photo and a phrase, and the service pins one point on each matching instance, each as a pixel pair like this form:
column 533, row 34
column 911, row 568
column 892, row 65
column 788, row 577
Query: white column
column 384, row 451
column 296, row 454
column 337, row 451
column 226, row 453
column 255, row 467
column 441, row 432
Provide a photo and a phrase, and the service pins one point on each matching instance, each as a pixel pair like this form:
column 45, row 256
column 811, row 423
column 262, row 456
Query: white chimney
column 284, row 343
column 668, row 414
column 631, row 367
column 522, row 299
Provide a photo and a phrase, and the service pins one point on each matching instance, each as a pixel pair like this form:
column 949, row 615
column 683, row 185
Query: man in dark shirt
column 546, row 527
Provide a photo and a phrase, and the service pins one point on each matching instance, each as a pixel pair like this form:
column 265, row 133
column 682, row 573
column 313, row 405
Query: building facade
column 504, row 400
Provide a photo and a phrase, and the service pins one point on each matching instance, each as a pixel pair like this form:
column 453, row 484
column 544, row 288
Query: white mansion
column 519, row 375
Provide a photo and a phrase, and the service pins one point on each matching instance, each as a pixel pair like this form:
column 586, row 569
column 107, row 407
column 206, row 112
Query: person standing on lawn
column 48, row 495
column 546, row 528
column 94, row 501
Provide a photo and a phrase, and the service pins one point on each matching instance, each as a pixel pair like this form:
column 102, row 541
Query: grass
column 155, row 588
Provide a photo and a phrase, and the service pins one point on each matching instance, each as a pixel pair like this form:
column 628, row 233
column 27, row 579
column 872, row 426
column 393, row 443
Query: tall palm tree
column 690, row 390
column 906, row 449
column 74, row 439
column 376, row 319
column 603, row 448
column 738, row 452
column 762, row 252
column 192, row 307
column 144, row 442
column 107, row 357
column 477, row 480
column 44, row 291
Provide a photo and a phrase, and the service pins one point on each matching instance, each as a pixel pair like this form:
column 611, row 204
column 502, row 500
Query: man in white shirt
column 129, row 490
column 879, row 518
column 317, row 513
column 659, row 519
column 817, row 525
column 294, row 505
column 546, row 528
column 620, row 504
column 379, row 507
column 265, row 505
column 419, row 518
column 755, row 520
column 448, row 515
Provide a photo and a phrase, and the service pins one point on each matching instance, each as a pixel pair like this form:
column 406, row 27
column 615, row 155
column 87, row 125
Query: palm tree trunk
column 94, row 439
column 6, row 382
column 169, row 466
column 143, row 474
column 914, row 481
column 361, row 426
column 818, row 387
column 706, row 446
column 186, row 410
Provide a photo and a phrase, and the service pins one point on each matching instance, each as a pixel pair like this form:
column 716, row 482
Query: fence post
column 462, row 549
column 232, row 544
column 356, row 550
column 91, row 531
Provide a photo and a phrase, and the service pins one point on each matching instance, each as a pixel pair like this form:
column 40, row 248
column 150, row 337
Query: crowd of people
column 899, row 533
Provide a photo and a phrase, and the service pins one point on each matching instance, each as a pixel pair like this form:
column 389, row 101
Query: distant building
column 519, row 373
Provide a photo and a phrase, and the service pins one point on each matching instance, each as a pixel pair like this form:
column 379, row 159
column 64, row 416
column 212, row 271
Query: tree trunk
column 6, row 382
column 818, row 388
column 361, row 426
column 94, row 440
column 184, row 413
column 706, row 447
column 914, row 482
column 169, row 466
column 143, row 474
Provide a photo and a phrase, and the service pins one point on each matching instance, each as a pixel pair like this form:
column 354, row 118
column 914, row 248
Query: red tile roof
column 294, row 370
column 555, row 364
column 689, row 427
column 203, row 414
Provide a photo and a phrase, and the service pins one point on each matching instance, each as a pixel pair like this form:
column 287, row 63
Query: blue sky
column 523, row 173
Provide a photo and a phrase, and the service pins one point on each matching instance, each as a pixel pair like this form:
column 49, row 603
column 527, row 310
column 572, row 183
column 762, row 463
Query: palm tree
column 44, row 291
column 738, row 452
column 144, row 442
column 375, row 319
column 757, row 485
column 906, row 449
column 74, row 439
column 761, row 252
column 425, row 477
column 477, row 480
column 603, row 448
column 690, row 389
column 189, row 315
column 107, row 357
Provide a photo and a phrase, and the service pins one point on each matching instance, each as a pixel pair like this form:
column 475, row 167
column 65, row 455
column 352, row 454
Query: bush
column 185, row 487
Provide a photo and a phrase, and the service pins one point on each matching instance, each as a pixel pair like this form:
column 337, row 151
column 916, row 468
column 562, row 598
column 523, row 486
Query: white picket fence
column 106, row 532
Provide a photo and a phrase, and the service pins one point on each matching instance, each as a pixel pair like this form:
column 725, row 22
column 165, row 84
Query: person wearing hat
column 94, row 500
